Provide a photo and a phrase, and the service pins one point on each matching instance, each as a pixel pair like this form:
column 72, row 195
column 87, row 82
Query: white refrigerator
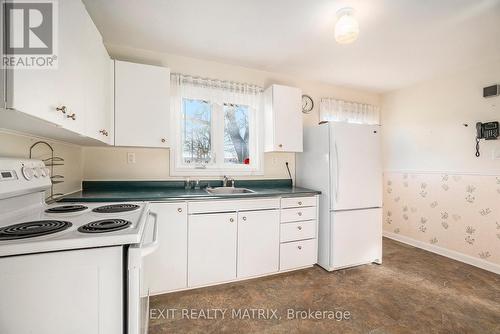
column 343, row 161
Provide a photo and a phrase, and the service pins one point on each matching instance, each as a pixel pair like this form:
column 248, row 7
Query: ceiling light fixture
column 346, row 28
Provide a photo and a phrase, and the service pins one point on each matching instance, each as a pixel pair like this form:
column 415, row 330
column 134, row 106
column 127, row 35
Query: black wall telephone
column 487, row 131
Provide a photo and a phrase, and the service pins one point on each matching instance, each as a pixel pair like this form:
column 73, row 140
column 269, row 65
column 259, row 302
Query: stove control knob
column 43, row 173
column 36, row 172
column 27, row 172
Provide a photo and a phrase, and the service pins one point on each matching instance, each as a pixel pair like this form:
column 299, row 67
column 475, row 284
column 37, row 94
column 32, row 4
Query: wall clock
column 307, row 104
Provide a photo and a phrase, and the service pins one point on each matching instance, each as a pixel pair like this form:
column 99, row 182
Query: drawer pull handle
column 231, row 220
column 299, row 213
column 72, row 116
column 179, row 209
column 299, row 227
column 300, row 203
column 299, row 247
column 244, row 218
column 61, row 109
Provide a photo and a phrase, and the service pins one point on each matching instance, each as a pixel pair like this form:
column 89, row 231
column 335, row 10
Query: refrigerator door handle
column 336, row 173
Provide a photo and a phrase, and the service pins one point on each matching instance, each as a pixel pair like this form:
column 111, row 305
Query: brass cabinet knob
column 61, row 109
column 244, row 218
column 179, row 209
column 299, row 247
column 299, row 213
column 300, row 203
column 72, row 116
column 280, row 145
column 231, row 220
column 163, row 140
column 299, row 228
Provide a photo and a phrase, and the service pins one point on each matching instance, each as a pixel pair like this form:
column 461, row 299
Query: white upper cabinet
column 99, row 99
column 76, row 96
column 142, row 105
column 46, row 93
column 283, row 118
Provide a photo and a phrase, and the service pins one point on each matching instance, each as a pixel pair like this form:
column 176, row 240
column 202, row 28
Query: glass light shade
column 346, row 28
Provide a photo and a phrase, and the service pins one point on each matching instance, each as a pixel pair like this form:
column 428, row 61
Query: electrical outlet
column 130, row 158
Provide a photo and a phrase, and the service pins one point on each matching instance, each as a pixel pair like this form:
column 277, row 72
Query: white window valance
column 346, row 111
column 215, row 90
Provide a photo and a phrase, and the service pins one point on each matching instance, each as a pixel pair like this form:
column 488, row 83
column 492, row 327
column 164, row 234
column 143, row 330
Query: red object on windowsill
column 246, row 161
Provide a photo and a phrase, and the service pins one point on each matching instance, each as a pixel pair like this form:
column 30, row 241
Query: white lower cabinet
column 298, row 231
column 166, row 269
column 212, row 248
column 298, row 254
column 214, row 241
column 258, row 242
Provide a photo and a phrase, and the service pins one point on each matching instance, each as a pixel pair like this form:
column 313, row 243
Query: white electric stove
column 71, row 267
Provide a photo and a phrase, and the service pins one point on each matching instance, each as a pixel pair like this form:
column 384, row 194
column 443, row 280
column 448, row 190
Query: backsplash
column 17, row 146
column 456, row 212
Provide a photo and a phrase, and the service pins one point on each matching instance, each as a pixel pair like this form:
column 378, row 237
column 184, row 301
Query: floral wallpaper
column 456, row 212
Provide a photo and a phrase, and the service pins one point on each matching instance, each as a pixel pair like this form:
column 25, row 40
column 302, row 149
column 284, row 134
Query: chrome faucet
column 226, row 180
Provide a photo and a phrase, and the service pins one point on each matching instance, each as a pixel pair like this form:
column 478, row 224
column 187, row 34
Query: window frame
column 219, row 167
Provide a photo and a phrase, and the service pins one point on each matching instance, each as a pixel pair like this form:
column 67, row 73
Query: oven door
column 138, row 291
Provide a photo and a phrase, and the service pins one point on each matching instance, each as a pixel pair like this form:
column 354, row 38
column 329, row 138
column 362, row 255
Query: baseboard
column 236, row 280
column 494, row 268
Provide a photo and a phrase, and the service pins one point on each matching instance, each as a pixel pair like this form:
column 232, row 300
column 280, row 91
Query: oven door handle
column 149, row 247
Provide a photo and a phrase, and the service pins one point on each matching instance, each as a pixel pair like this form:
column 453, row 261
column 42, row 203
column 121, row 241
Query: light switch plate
column 130, row 158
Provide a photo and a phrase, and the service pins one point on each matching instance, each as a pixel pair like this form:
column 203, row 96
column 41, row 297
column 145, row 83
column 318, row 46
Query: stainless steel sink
column 228, row 191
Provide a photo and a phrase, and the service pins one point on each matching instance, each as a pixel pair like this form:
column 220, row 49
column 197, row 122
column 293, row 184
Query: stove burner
column 116, row 208
column 66, row 209
column 105, row 225
column 32, row 229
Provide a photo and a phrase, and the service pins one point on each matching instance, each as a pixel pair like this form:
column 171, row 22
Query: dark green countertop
column 123, row 191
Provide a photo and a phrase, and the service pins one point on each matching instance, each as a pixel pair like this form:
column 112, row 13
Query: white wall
column 17, row 146
column 436, row 192
column 423, row 125
column 111, row 163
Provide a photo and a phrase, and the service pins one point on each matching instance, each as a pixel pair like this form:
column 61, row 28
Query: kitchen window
column 217, row 125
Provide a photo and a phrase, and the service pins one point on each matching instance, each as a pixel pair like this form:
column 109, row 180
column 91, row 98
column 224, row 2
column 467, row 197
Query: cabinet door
column 166, row 268
column 212, row 248
column 258, row 242
column 39, row 92
column 98, row 95
column 141, row 105
column 287, row 119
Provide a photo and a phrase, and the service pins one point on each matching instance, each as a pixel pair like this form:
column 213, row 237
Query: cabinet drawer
column 212, row 206
column 297, row 202
column 298, row 254
column 297, row 214
column 298, row 231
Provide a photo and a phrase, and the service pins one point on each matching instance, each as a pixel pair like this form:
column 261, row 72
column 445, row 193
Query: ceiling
column 401, row 42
